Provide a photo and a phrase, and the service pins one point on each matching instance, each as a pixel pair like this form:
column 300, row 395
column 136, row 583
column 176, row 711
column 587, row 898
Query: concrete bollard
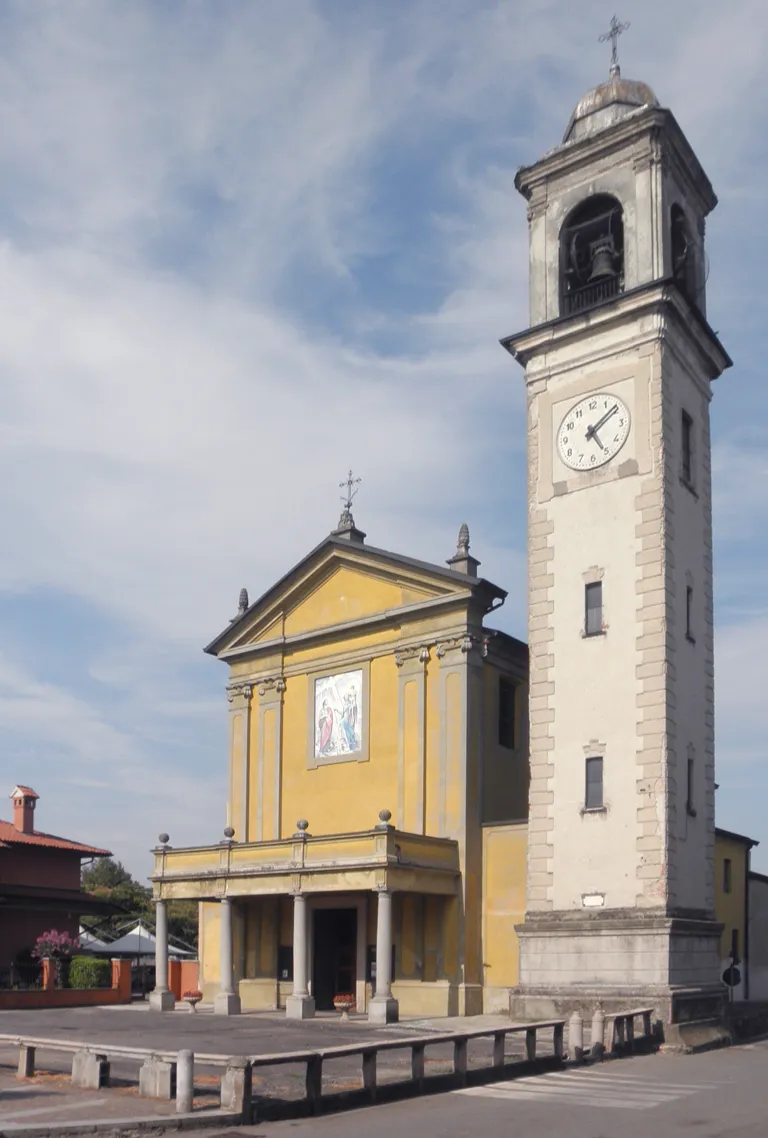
column 157, row 1078
column 598, row 1034
column 185, row 1081
column 576, row 1037
column 26, row 1062
column 236, row 1087
column 90, row 1070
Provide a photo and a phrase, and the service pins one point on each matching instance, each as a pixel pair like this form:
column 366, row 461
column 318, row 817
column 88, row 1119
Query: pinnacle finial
column 346, row 527
column 350, row 484
column 242, row 604
column 462, row 560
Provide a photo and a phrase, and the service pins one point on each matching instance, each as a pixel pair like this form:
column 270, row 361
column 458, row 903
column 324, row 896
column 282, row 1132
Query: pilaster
column 269, row 766
column 239, row 697
column 411, row 664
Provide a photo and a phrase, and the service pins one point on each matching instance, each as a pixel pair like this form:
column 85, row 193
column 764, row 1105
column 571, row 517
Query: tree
column 110, row 879
column 106, row 873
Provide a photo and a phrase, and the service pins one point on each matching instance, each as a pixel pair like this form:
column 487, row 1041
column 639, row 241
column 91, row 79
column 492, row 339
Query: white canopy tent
column 138, row 943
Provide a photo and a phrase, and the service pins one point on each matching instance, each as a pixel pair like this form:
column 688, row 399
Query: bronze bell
column 602, row 259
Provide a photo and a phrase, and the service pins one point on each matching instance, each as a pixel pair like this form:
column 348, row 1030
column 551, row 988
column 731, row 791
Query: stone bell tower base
column 572, row 961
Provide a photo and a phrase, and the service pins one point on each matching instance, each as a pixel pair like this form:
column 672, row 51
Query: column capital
column 414, row 655
column 239, row 691
column 271, row 684
column 464, row 644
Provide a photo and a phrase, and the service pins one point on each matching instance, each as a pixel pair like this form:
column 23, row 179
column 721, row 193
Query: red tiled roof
column 10, row 835
column 25, row 790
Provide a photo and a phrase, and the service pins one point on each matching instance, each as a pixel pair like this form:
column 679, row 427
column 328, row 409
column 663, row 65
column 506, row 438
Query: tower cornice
column 643, row 129
column 657, row 298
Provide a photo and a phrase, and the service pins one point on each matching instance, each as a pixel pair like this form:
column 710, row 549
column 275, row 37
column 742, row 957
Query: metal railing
column 21, row 977
column 588, row 295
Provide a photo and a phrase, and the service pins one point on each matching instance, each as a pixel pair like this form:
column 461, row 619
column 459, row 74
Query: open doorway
column 334, row 969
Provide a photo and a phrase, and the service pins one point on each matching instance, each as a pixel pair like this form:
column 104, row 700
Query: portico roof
column 381, row 858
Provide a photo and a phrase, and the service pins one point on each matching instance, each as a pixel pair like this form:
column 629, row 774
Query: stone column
column 384, row 1007
column 161, row 999
column 226, row 1002
column 300, row 1005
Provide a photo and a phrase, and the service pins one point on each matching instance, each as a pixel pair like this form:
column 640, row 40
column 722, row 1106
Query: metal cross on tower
column 613, row 35
column 350, row 485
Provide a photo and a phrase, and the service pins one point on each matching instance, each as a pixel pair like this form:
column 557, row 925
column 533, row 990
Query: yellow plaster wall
column 269, row 761
column 413, row 792
column 432, row 765
column 504, row 862
column 731, row 908
column 209, row 936
column 343, row 796
column 340, row 598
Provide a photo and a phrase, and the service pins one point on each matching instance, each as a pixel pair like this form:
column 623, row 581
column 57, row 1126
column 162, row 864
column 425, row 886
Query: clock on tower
column 619, row 361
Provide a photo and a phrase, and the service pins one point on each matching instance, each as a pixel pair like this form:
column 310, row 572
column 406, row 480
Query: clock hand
column 605, row 418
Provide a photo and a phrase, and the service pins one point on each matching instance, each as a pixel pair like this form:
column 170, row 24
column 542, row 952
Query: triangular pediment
column 340, row 585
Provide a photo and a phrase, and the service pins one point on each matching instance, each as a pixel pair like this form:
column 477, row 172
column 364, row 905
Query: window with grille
column 593, row 797
column 593, row 605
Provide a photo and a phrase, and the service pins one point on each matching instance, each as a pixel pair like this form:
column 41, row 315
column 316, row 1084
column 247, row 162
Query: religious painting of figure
column 338, row 714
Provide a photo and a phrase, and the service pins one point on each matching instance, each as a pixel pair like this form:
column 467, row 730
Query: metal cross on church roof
column 613, row 35
column 350, row 485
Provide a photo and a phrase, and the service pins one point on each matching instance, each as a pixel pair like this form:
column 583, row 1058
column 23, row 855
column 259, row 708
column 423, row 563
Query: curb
column 122, row 1127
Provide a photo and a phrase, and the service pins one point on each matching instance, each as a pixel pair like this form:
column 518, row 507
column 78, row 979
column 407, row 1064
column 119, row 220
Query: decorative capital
column 239, row 691
column 271, row 683
column 418, row 652
column 464, row 644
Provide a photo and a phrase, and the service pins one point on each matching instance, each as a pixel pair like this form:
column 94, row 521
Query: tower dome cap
column 605, row 104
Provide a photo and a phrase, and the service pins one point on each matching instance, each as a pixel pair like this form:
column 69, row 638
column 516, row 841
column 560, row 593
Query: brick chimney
column 24, row 801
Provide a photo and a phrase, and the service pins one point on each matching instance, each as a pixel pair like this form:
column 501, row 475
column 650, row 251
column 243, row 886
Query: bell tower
column 619, row 361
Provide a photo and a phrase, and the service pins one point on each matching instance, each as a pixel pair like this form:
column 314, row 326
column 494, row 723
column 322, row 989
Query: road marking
column 587, row 1088
column 57, row 1108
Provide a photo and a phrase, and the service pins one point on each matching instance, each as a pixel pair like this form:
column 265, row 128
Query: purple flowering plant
column 55, row 945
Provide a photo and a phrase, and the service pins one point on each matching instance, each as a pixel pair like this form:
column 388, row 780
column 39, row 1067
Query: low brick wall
column 182, row 976
column 50, row 997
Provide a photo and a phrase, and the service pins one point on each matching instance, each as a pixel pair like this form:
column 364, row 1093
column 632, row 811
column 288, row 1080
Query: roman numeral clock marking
column 593, row 431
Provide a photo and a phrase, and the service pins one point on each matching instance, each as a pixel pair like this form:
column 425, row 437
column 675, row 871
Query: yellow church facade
column 378, row 793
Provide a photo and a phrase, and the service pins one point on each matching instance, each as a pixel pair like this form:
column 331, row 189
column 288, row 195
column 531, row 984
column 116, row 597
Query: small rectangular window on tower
column 726, row 875
column 593, row 608
column 593, row 796
column 689, row 613
column 687, row 448
column 689, row 806
column 506, row 713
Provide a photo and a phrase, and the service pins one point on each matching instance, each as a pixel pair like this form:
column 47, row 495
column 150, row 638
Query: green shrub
column 90, row 972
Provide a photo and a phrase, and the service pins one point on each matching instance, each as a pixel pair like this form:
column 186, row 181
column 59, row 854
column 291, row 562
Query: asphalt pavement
column 718, row 1094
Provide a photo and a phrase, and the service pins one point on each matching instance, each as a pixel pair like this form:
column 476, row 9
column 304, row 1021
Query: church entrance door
column 334, row 959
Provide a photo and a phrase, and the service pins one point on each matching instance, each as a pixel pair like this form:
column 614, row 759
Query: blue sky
column 247, row 245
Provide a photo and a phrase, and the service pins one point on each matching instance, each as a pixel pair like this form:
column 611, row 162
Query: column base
column 299, row 1007
column 383, row 1009
column 226, row 1004
column 617, row 960
column 162, row 1001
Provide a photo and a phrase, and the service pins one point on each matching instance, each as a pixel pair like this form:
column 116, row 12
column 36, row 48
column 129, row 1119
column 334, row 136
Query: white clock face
column 593, row 432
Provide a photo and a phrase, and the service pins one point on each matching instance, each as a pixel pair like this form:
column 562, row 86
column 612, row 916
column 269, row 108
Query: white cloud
column 197, row 207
